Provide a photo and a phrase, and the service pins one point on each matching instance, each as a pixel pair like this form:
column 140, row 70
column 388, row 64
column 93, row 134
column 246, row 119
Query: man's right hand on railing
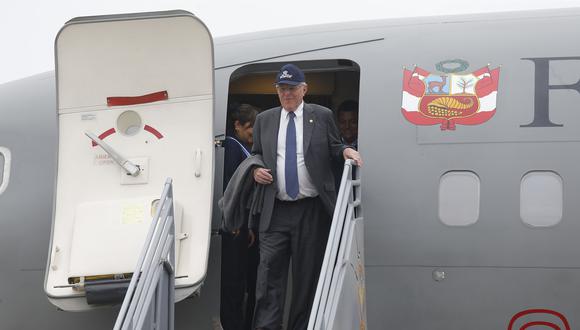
column 350, row 153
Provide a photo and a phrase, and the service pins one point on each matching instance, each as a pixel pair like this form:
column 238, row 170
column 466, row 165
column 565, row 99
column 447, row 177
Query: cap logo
column 285, row 74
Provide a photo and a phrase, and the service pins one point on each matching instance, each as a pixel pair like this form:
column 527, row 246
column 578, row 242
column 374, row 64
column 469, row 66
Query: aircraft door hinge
column 218, row 140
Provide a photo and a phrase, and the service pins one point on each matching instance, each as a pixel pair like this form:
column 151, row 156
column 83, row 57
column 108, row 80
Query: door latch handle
column 197, row 172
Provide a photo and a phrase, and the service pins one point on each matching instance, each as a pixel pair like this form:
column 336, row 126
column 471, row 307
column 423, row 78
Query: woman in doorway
column 239, row 249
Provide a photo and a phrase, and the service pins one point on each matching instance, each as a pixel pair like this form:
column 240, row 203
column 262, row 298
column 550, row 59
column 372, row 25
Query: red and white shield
column 448, row 100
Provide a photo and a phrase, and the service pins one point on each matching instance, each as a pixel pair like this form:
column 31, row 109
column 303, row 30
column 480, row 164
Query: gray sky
column 28, row 28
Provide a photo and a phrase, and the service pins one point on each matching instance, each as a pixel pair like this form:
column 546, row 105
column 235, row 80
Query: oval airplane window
column 4, row 168
column 541, row 198
column 459, row 198
column 129, row 123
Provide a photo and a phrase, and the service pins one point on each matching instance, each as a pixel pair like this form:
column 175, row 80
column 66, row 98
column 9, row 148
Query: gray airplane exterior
column 471, row 219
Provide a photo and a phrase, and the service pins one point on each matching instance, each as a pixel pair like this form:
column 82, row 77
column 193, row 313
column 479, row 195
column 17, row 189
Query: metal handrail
column 150, row 295
column 347, row 212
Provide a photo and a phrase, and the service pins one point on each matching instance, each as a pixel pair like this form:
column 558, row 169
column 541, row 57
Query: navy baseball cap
column 290, row 74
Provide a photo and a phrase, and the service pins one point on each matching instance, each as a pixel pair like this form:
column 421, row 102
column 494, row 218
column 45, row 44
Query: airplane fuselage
column 469, row 188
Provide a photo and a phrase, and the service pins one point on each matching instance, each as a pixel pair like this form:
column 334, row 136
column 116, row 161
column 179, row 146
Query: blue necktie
column 290, row 166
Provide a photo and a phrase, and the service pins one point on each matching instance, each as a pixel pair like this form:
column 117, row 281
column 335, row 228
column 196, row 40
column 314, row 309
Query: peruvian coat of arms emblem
column 449, row 99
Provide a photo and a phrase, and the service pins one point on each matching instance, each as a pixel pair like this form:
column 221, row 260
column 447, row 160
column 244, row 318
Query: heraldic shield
column 449, row 99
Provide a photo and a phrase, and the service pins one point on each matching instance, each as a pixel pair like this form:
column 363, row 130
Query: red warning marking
column 541, row 323
column 153, row 131
column 104, row 135
column 533, row 324
column 113, row 101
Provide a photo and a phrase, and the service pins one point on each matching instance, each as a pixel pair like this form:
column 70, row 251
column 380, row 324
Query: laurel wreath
column 460, row 65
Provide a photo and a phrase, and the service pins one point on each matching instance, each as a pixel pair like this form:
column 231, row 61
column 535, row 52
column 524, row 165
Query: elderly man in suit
column 298, row 143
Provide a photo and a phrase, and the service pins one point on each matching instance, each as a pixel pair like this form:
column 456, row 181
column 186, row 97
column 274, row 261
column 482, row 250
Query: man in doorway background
column 347, row 118
column 298, row 143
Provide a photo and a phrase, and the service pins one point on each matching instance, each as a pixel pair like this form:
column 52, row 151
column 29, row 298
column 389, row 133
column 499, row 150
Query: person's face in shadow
column 348, row 125
column 244, row 133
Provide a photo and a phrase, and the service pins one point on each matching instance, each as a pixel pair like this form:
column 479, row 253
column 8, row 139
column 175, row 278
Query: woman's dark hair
column 245, row 113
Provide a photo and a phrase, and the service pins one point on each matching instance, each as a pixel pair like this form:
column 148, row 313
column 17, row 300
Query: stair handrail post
column 156, row 261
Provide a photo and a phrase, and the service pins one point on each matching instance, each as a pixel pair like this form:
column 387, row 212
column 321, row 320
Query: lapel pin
column 311, row 120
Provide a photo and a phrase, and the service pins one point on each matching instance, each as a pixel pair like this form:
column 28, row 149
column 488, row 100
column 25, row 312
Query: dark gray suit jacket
column 322, row 147
column 243, row 197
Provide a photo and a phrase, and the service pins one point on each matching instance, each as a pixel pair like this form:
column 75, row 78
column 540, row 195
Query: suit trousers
column 298, row 230
column 238, row 281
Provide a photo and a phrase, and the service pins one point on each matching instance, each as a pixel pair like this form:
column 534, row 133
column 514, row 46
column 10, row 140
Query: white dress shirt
column 306, row 187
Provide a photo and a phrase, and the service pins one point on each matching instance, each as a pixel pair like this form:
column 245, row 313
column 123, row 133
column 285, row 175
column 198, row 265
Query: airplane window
column 541, row 198
column 459, row 198
column 1, row 168
column 4, row 168
column 129, row 123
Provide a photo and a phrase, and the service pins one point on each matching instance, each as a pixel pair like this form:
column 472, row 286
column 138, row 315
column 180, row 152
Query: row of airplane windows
column 541, row 198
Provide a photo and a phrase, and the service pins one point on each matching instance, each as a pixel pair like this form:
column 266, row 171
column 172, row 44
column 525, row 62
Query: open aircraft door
column 135, row 106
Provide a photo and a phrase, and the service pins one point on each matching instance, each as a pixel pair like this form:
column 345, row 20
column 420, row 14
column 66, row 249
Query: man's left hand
column 350, row 153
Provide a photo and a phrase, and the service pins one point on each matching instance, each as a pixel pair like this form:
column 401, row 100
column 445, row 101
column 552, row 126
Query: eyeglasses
column 287, row 88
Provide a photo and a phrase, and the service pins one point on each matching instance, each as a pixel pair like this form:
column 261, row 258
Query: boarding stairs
column 149, row 302
column 339, row 302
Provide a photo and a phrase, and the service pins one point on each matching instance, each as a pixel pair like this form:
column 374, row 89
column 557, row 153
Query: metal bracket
column 218, row 140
